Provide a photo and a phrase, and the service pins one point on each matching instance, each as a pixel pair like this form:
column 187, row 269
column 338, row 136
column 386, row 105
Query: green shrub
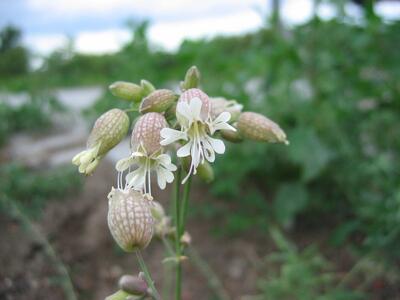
column 33, row 115
column 31, row 190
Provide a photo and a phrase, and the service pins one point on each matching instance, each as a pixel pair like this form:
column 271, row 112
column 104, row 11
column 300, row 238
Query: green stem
column 147, row 275
column 185, row 200
column 178, row 282
column 176, row 195
column 208, row 273
column 180, row 217
column 133, row 109
column 353, row 271
column 168, row 269
column 167, row 246
column 178, row 278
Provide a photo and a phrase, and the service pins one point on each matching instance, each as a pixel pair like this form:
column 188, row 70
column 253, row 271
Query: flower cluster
column 172, row 131
column 147, row 155
column 196, row 128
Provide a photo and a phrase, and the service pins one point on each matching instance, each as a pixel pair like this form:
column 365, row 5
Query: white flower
column 140, row 178
column 196, row 129
column 147, row 156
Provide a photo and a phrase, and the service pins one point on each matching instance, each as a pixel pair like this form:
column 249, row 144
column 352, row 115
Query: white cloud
column 175, row 20
column 389, row 9
column 45, row 43
column 171, row 34
column 99, row 42
column 93, row 42
column 179, row 9
column 296, row 11
column 78, row 7
column 168, row 35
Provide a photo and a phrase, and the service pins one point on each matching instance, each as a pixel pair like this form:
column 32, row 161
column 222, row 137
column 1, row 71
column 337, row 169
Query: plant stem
column 178, row 280
column 354, row 270
column 167, row 245
column 178, row 277
column 186, row 193
column 132, row 109
column 147, row 275
column 180, row 217
column 208, row 273
column 176, row 196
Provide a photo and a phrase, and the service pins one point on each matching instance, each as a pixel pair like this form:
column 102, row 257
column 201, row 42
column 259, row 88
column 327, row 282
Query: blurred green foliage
column 13, row 57
column 333, row 86
column 32, row 115
column 301, row 275
column 30, row 190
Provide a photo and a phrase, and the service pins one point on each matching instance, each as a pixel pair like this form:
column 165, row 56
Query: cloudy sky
column 97, row 26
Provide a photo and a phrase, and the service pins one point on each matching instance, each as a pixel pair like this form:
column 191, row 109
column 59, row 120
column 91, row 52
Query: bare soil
column 77, row 229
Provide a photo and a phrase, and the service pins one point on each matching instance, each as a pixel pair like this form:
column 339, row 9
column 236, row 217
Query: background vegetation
column 333, row 86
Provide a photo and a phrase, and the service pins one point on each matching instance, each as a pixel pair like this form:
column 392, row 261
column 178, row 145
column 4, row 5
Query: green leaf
column 291, row 199
column 307, row 150
column 341, row 233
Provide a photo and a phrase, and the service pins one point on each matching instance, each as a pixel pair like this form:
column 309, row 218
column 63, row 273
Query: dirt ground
column 77, row 229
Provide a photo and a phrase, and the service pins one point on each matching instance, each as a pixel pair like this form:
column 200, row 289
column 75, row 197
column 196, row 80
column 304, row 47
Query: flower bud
column 170, row 113
column 119, row 295
column 127, row 91
column 147, row 87
column 220, row 104
column 108, row 130
column 254, row 126
column 157, row 211
column 158, row 101
column 129, row 219
column 146, row 132
column 205, row 172
column 186, row 238
column 161, row 221
column 192, row 79
column 231, row 136
column 133, row 285
column 188, row 95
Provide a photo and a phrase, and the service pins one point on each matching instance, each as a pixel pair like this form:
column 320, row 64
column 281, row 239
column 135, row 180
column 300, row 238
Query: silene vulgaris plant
column 174, row 138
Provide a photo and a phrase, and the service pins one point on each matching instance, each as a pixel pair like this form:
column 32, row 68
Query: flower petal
column 161, row 180
column 164, row 176
column 164, row 160
column 223, row 117
column 136, row 178
column 195, row 108
column 184, row 150
column 208, row 151
column 217, row 145
column 223, row 126
column 195, row 154
column 124, row 163
column 171, row 135
column 169, row 176
column 138, row 154
column 183, row 109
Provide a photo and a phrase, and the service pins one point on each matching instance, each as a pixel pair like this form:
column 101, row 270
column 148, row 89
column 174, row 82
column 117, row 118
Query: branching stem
column 147, row 275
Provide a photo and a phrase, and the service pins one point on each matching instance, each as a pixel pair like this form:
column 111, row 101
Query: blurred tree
column 276, row 15
column 139, row 31
column 13, row 57
column 9, row 38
